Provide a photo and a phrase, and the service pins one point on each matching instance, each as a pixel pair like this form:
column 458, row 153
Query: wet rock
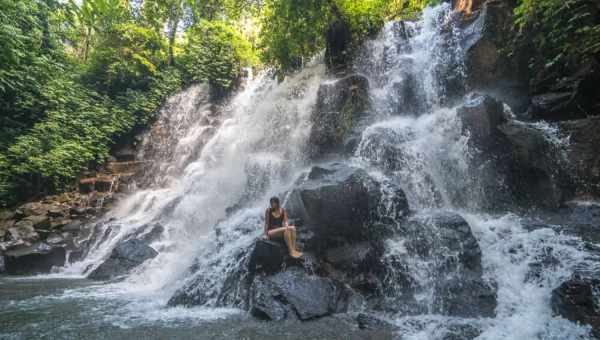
column 481, row 115
column 125, row 257
column 371, row 322
column 267, row 256
column 457, row 332
column 2, row 265
column 488, row 68
column 536, row 173
column 441, row 246
column 577, row 300
column 357, row 257
column 228, row 285
column 582, row 154
column 342, row 202
column 309, row 296
column 267, row 304
column 339, row 106
column 34, row 259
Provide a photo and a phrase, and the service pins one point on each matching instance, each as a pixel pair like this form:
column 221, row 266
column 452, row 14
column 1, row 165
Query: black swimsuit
column 275, row 222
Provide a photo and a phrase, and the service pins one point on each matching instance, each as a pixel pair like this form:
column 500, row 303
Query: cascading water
column 212, row 169
column 257, row 149
column 420, row 143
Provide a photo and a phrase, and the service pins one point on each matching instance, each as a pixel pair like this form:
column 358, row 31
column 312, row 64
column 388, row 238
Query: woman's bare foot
column 295, row 254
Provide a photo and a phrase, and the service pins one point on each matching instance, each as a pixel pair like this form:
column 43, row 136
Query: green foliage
column 215, row 52
column 129, row 58
column 561, row 30
column 293, row 31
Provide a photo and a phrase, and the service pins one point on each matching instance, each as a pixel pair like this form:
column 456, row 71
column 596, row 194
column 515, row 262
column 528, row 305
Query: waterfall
column 207, row 166
column 213, row 168
column 417, row 76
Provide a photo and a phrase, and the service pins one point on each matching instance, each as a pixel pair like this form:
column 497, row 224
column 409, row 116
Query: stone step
column 124, row 167
column 100, row 183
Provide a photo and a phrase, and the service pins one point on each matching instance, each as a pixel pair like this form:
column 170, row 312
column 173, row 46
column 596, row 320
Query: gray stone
column 125, row 257
column 34, row 259
column 309, row 296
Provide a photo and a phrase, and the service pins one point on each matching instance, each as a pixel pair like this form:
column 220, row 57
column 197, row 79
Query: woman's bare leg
column 293, row 248
column 289, row 236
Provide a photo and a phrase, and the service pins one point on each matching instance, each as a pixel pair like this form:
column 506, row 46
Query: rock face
column 582, row 154
column 577, row 300
column 537, row 176
column 444, row 259
column 267, row 256
column 293, row 291
column 34, row 259
column 489, row 69
column 123, row 259
column 337, row 201
column 560, row 97
column 339, row 106
column 480, row 116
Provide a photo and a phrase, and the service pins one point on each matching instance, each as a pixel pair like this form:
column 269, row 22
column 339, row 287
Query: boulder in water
column 308, row 296
column 576, row 300
column 481, row 115
column 442, row 244
column 267, row 256
column 536, row 174
column 37, row 258
column 126, row 256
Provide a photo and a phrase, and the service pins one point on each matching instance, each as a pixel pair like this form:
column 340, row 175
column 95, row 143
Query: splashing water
column 421, row 145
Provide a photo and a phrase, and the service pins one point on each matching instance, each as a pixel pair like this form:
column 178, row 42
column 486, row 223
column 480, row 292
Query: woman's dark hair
column 274, row 199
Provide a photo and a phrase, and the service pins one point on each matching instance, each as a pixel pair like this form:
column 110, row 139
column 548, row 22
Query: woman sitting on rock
column 276, row 226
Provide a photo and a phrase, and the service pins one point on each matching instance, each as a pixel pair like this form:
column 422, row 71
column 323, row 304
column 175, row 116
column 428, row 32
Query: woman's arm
column 285, row 218
column 266, row 228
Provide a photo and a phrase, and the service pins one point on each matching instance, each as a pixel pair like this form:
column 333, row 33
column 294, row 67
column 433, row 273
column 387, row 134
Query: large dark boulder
column 268, row 256
column 438, row 253
column 537, row 173
column 275, row 297
column 340, row 105
column 577, row 300
column 342, row 202
column 489, row 68
column 125, row 257
column 37, row 258
column 582, row 154
column 480, row 116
